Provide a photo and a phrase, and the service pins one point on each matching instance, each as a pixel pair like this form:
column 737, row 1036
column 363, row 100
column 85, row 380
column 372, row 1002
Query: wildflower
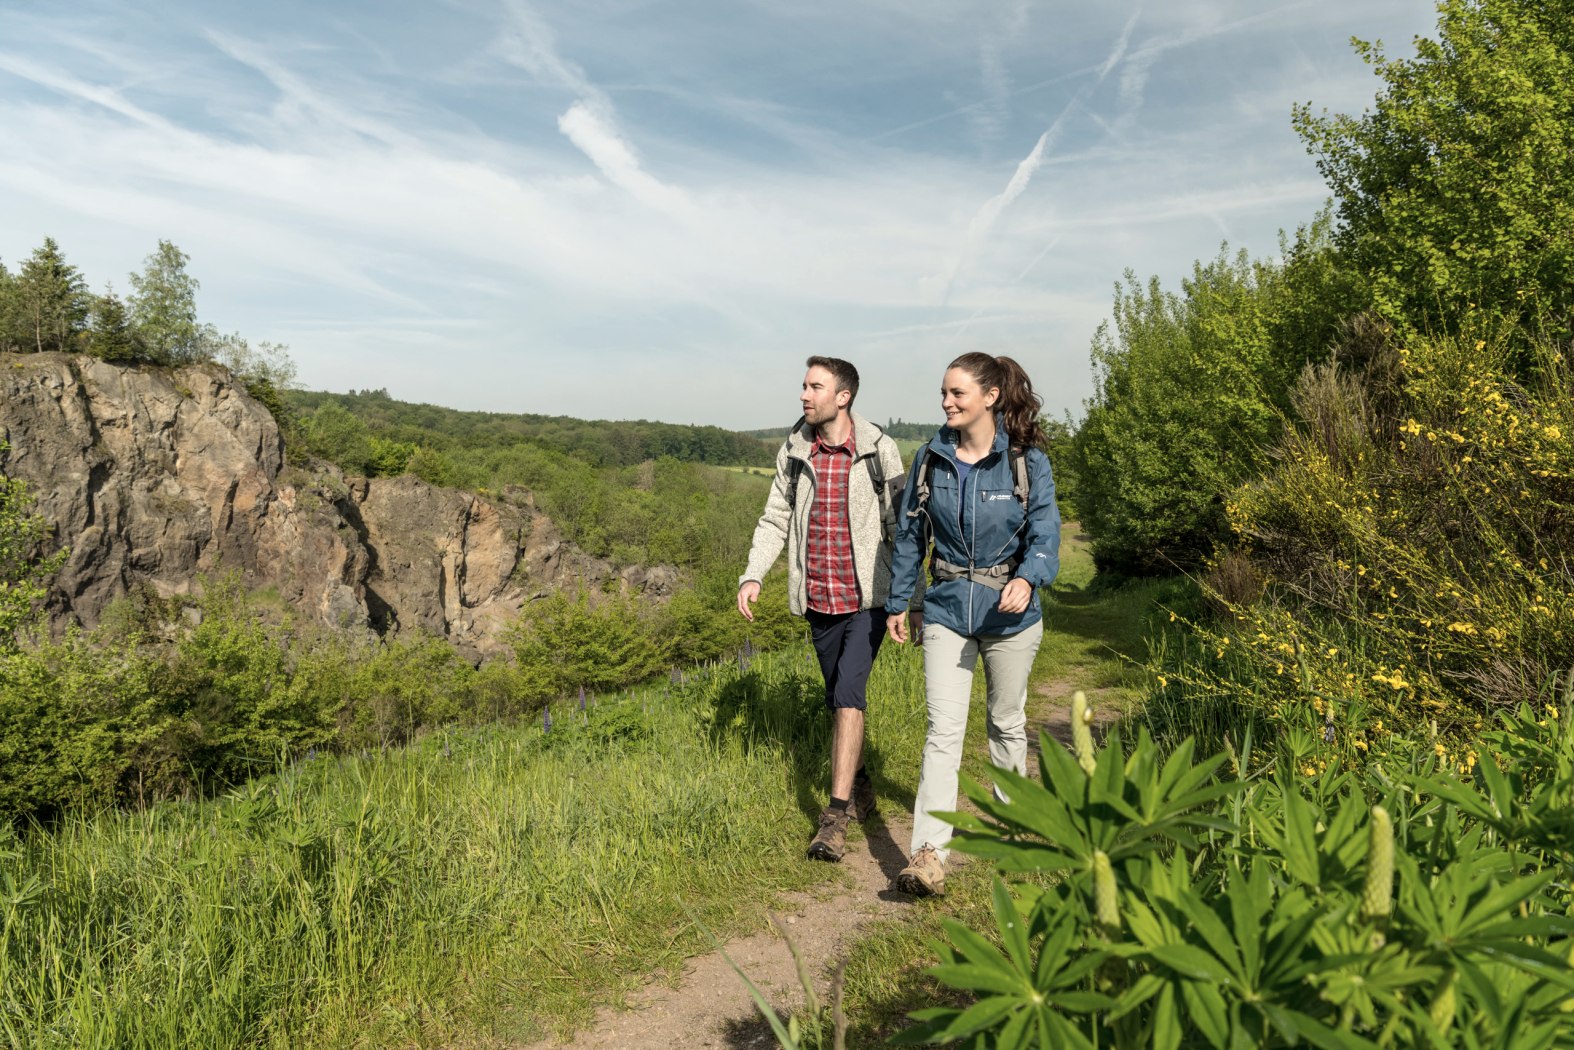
column 1441, row 751
column 1552, row 432
column 1332, row 651
column 1163, row 682
column 1463, row 628
column 581, row 698
column 546, row 719
column 1552, row 712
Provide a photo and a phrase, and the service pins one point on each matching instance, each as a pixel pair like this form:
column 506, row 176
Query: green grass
column 485, row 887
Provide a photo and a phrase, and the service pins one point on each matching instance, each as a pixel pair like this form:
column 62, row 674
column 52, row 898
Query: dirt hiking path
column 712, row 1008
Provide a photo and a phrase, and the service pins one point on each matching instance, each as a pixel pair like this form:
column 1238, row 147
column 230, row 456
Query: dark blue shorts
column 847, row 644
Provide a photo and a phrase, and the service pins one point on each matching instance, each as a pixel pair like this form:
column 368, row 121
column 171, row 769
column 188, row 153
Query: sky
column 619, row 209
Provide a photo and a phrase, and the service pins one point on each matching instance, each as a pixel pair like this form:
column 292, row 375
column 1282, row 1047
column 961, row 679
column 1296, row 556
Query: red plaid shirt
column 831, row 581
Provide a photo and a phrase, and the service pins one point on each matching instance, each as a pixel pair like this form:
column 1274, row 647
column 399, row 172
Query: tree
column 53, row 300
column 13, row 329
column 333, row 433
column 1456, row 189
column 164, row 307
column 109, row 334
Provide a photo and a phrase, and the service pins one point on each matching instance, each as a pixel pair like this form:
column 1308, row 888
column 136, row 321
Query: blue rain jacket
column 986, row 527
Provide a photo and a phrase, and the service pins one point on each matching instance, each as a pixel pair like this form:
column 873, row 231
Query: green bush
column 1191, row 391
column 1405, row 563
column 1393, row 906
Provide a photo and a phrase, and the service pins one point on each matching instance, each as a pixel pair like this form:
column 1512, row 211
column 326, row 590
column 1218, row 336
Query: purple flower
column 581, row 698
column 546, row 719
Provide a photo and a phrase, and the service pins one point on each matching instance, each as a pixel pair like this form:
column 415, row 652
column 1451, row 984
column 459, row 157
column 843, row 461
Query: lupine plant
column 1235, row 903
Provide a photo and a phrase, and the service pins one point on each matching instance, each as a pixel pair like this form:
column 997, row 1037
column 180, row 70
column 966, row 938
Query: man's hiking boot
column 863, row 803
column 924, row 875
column 830, row 841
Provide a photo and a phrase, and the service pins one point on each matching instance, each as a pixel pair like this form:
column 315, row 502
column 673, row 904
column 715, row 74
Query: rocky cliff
column 154, row 476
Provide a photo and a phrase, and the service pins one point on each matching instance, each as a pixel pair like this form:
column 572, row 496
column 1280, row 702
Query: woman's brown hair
column 1018, row 405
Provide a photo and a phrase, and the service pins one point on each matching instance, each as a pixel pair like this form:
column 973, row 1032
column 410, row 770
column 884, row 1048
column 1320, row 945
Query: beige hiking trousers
column 949, row 660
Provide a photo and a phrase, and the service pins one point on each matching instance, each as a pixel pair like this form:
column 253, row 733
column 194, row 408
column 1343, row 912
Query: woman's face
column 964, row 401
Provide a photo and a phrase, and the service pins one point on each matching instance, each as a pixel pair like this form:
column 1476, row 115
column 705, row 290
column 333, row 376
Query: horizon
column 500, row 207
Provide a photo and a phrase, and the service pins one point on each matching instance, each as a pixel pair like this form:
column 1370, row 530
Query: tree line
column 46, row 306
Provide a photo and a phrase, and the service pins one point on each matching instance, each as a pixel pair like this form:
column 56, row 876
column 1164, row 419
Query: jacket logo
column 991, row 496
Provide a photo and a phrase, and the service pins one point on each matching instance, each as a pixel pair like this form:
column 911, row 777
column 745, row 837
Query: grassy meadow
column 484, row 886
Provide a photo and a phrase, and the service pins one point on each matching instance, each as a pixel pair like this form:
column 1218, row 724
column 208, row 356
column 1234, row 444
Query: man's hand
column 896, row 628
column 1016, row 596
column 748, row 594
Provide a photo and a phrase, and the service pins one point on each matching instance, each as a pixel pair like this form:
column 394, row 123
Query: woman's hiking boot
column 863, row 803
column 830, row 841
column 924, row 875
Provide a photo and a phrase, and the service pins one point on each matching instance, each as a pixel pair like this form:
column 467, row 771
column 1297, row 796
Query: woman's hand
column 896, row 628
column 1016, row 597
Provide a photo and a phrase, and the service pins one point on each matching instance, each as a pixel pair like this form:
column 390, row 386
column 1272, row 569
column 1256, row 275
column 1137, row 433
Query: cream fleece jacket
column 784, row 525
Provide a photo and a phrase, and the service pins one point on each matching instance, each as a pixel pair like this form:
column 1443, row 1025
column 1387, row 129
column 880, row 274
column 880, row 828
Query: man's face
column 821, row 400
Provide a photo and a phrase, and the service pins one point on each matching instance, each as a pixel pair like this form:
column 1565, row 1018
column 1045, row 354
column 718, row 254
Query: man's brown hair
column 846, row 375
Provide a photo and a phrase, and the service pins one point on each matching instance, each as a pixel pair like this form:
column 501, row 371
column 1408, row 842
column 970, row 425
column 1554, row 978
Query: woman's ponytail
column 1019, row 406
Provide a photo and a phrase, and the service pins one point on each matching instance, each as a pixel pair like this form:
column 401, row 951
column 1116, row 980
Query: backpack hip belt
column 995, row 577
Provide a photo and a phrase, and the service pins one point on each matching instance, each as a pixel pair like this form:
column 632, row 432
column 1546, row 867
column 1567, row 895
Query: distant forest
column 602, row 443
column 897, row 428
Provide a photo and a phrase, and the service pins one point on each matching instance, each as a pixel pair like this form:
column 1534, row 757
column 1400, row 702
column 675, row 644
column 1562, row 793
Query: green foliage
column 1190, row 391
column 1265, row 910
column 176, row 699
column 562, row 643
column 431, row 467
column 1406, row 562
column 109, row 336
column 1455, row 189
column 601, row 443
column 164, row 307
column 48, row 303
column 335, row 434
column 473, row 887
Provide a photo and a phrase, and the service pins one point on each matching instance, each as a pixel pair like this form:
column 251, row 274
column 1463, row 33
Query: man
column 831, row 505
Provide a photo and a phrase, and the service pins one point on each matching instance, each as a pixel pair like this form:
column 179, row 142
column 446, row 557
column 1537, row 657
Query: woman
column 990, row 511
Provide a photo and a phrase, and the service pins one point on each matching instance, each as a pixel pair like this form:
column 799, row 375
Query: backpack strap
column 1019, row 482
column 794, row 469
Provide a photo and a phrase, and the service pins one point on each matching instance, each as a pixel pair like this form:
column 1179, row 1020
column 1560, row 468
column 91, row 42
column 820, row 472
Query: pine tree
column 12, row 329
column 110, row 336
column 53, row 299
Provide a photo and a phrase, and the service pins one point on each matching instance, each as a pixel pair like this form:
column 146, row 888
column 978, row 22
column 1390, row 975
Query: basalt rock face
column 153, row 477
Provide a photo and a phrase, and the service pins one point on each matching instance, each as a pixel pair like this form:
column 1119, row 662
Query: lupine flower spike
column 546, row 719
column 1377, row 900
column 1442, row 1009
column 581, row 698
column 1082, row 732
column 1105, row 905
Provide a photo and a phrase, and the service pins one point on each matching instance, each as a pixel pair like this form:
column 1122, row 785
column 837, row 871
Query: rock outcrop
column 153, row 477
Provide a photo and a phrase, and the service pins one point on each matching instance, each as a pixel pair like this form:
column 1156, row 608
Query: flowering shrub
column 1406, row 562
